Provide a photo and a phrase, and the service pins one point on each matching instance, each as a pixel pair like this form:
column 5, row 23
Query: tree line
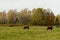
column 37, row 16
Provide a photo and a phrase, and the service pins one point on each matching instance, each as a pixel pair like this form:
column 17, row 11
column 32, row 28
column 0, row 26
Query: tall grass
column 34, row 33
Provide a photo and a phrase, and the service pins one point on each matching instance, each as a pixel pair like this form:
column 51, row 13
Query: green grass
column 34, row 33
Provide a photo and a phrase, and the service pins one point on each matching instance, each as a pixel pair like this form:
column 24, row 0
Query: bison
column 49, row 28
column 26, row 27
column 11, row 25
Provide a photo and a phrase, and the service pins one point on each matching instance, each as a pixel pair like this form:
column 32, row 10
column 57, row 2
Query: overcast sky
column 54, row 5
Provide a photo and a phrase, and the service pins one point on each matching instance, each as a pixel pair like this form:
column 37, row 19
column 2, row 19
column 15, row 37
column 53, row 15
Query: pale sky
column 54, row 5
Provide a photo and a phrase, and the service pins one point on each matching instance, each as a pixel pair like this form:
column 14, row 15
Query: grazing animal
column 26, row 27
column 49, row 28
column 11, row 25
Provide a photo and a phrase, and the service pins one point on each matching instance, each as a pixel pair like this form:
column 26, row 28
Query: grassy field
column 34, row 33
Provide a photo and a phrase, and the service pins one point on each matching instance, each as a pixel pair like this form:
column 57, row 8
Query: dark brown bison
column 49, row 28
column 26, row 27
column 11, row 25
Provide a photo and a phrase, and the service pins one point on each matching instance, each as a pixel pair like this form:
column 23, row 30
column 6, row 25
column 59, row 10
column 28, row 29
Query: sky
column 54, row 5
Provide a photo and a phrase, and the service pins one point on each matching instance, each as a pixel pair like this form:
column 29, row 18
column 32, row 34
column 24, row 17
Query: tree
column 24, row 16
column 2, row 17
column 49, row 18
column 37, row 16
column 57, row 22
column 11, row 16
column 52, row 18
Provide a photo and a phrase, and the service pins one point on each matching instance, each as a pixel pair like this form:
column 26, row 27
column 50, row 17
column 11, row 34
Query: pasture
column 34, row 33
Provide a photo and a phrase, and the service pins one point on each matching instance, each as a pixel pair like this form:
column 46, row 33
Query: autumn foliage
column 36, row 16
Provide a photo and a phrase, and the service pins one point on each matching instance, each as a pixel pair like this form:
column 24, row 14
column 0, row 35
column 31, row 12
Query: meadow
column 34, row 33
